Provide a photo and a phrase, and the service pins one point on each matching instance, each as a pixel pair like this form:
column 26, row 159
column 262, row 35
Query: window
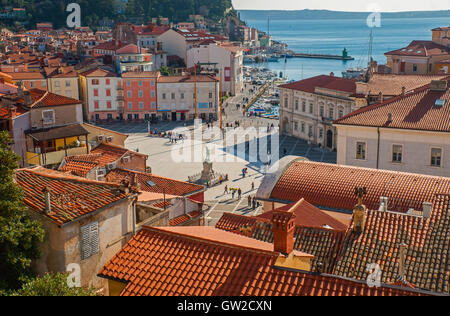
column 210, row 105
column 321, row 133
column 296, row 104
column 436, row 157
column 141, row 94
column 303, row 106
column 136, row 116
column 95, row 92
column 31, row 84
column 361, row 150
column 311, row 108
column 69, row 93
column 153, row 104
column 108, row 104
column 67, row 83
column 414, row 68
column 57, row 84
column 286, row 102
column 303, row 127
column 130, row 105
column 182, row 95
column 108, row 92
column 172, row 96
column 210, row 95
column 341, row 113
column 48, row 117
column 96, row 105
column 331, row 113
column 397, row 153
column 322, row 111
column 108, row 82
column 129, row 94
column 109, row 116
column 128, row 83
column 140, row 83
column 310, row 131
column 95, row 82
column 89, row 240
column 164, row 96
column 296, row 126
column 141, row 105
column 153, row 93
column 152, row 83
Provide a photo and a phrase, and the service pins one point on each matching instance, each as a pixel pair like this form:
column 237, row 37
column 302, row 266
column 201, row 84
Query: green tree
column 19, row 234
column 52, row 285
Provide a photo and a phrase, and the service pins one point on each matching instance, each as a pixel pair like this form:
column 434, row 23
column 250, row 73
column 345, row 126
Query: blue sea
column 332, row 36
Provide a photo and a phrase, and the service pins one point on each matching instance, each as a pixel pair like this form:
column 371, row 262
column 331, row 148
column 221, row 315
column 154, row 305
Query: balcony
column 54, row 157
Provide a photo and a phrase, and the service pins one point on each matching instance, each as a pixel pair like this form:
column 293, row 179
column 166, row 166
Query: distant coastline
column 329, row 15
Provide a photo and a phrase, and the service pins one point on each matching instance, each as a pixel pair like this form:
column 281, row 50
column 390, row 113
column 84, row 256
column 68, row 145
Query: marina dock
column 319, row 56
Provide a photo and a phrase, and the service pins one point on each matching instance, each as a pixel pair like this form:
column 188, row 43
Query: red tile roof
column 332, row 186
column 421, row 49
column 323, row 81
column 324, row 244
column 71, row 197
column 307, row 215
column 42, row 98
column 178, row 79
column 100, row 156
column 416, row 110
column 203, row 261
column 427, row 243
column 161, row 184
column 99, row 72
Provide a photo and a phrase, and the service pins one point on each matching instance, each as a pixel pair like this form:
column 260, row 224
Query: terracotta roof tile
column 196, row 261
column 323, row 244
column 153, row 183
column 323, row 81
column 332, row 186
column 416, row 110
column 421, row 49
column 71, row 197
column 427, row 242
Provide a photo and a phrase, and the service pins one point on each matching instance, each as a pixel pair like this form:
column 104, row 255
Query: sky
column 344, row 5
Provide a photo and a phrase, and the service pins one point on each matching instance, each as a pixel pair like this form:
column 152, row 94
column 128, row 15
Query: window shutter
column 89, row 240
column 85, row 242
column 94, row 238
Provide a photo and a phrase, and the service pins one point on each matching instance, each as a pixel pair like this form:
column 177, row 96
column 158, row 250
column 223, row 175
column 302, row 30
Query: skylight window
column 439, row 102
column 151, row 183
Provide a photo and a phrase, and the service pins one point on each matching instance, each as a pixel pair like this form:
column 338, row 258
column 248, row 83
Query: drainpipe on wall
column 134, row 214
column 378, row 147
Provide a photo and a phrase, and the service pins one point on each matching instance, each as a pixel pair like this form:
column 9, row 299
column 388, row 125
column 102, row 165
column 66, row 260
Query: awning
column 44, row 134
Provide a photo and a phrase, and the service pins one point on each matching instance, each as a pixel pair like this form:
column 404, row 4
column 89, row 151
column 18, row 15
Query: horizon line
column 328, row 10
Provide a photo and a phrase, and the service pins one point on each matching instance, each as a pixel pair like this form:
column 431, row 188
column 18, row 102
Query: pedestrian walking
column 253, row 186
column 249, row 201
column 239, row 193
column 226, row 190
column 253, row 204
column 233, row 192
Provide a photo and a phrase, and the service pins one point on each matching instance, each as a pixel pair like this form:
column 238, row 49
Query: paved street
column 226, row 160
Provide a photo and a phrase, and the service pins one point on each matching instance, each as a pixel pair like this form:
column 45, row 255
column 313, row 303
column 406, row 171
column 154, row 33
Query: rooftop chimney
column 283, row 231
column 438, row 85
column 359, row 211
column 47, row 198
column 384, row 204
column 380, row 97
column 20, row 89
column 27, row 99
column 402, row 260
column 283, row 241
column 403, row 90
column 389, row 117
column 426, row 209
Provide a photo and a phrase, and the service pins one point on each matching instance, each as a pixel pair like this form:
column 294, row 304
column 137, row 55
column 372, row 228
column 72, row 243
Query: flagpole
column 195, row 90
column 220, row 96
